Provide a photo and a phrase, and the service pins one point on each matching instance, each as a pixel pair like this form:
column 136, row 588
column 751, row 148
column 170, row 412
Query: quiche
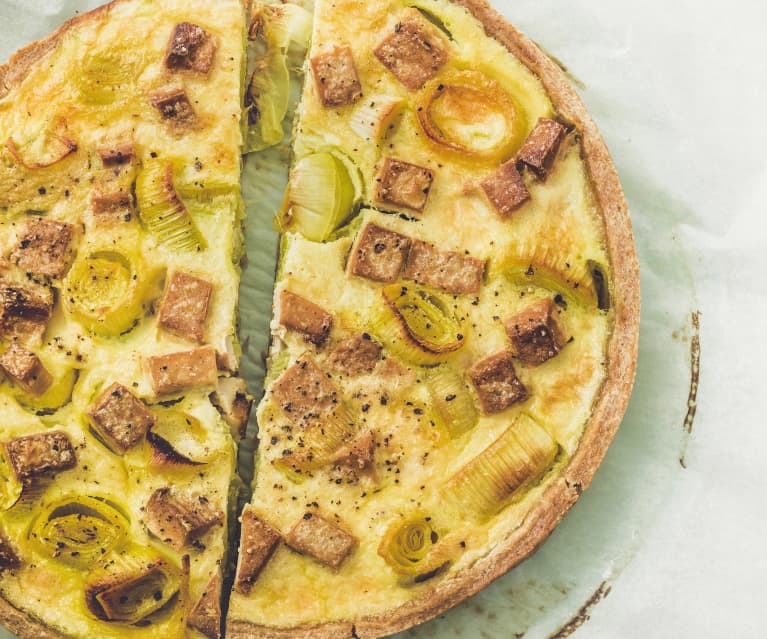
column 453, row 337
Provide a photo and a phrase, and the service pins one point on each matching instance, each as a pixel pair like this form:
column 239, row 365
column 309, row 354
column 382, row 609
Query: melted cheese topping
column 559, row 228
column 131, row 35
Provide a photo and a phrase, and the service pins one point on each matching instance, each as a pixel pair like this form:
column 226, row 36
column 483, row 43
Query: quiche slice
column 455, row 322
column 120, row 244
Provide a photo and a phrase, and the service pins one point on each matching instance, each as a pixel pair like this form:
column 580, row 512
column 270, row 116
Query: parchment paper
column 670, row 539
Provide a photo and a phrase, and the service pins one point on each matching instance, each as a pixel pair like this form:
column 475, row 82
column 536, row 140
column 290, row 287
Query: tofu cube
column 44, row 247
column 184, row 306
column 187, row 369
column 414, row 52
column 300, row 315
column 258, row 541
column 336, row 78
column 120, row 418
column 321, row 539
column 117, row 154
column 178, row 519
column 496, row 383
column 541, row 146
column 35, row 455
column 112, row 208
column 205, row 616
column 174, row 106
column 506, row 189
column 24, row 312
column 378, row 254
column 450, row 271
column 305, row 393
column 535, row 334
column 26, row 370
column 355, row 355
column 190, row 48
column 403, row 185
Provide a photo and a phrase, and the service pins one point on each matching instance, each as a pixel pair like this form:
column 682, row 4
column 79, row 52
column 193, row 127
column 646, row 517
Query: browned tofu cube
column 232, row 400
column 541, row 146
column 305, row 393
column 26, row 370
column 8, row 556
column 116, row 154
column 35, row 455
column 300, row 315
column 112, row 208
column 321, row 539
column 184, row 306
column 120, row 418
column 534, row 333
column 44, row 247
column 414, row 52
column 258, row 541
column 190, row 48
column 174, row 106
column 378, row 254
column 24, row 311
column 188, row 369
column 205, row 616
column 506, row 189
column 358, row 455
column 450, row 271
column 496, row 383
column 355, row 355
column 403, row 185
column 335, row 75
column 178, row 519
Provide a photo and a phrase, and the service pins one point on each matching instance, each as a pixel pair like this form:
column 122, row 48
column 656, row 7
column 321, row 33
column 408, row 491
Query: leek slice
column 78, row 530
column 59, row 393
column 520, row 456
column 572, row 279
column 162, row 211
column 413, row 548
column 183, row 432
column 268, row 93
column 321, row 195
column 10, row 486
column 103, row 77
column 417, row 324
column 451, row 398
column 105, row 290
column 131, row 584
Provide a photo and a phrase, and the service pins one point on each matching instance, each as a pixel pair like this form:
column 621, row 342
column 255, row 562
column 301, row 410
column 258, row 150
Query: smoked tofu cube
column 26, row 370
column 305, row 393
column 174, row 106
column 258, row 541
column 541, row 146
column 414, row 52
column 336, row 78
column 205, row 616
column 179, row 519
column 321, row 539
column 355, row 355
column 120, row 418
column 506, row 189
column 496, row 383
column 300, row 315
column 24, row 312
column 184, row 306
column 35, row 455
column 534, row 333
column 378, row 254
column 116, row 154
column 449, row 271
column 44, row 247
column 403, row 185
column 112, row 208
column 187, row 369
column 190, row 48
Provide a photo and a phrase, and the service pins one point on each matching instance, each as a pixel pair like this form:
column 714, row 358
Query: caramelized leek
column 321, row 195
column 131, row 584
column 59, row 393
column 185, row 435
column 78, row 530
column 451, row 399
column 417, row 324
column 472, row 115
column 522, row 453
column 571, row 279
column 41, row 151
column 413, row 548
column 105, row 290
column 10, row 486
column 162, row 211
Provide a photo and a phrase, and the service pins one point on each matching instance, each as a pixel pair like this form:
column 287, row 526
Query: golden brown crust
column 25, row 625
column 609, row 406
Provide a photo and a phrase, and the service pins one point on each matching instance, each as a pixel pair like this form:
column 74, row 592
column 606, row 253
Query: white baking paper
column 670, row 539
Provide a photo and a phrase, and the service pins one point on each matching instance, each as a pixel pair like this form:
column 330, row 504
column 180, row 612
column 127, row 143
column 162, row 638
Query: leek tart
column 453, row 336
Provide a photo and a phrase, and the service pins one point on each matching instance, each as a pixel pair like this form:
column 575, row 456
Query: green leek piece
column 452, row 400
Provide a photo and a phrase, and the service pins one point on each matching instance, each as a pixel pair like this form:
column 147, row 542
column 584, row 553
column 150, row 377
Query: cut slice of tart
column 120, row 244
column 455, row 323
